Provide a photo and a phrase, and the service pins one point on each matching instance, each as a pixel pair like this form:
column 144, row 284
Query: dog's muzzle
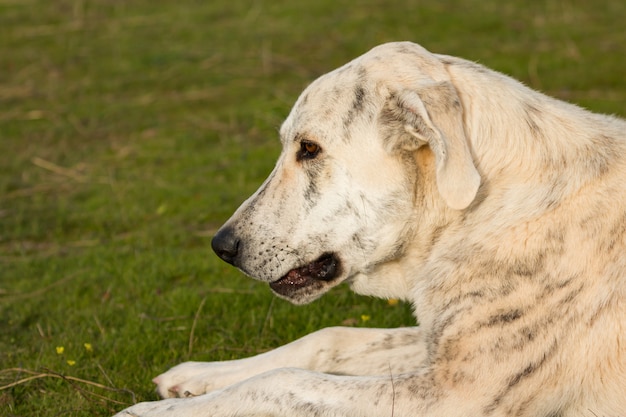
column 312, row 276
column 324, row 269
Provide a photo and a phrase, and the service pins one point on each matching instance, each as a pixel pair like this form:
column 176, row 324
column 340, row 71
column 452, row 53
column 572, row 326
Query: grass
column 129, row 131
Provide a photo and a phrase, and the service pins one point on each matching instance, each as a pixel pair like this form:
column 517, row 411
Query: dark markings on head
column 359, row 98
column 311, row 193
column 356, row 109
column 312, row 171
column 599, row 155
column 392, row 120
column 359, row 101
column 405, row 48
column 531, row 115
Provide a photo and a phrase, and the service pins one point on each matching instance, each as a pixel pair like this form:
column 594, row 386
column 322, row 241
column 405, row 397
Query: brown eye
column 308, row 150
column 311, row 147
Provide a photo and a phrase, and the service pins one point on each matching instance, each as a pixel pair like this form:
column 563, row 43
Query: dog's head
column 344, row 197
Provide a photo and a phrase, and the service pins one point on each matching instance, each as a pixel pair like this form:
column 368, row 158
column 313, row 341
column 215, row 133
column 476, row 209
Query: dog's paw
column 169, row 383
column 191, row 379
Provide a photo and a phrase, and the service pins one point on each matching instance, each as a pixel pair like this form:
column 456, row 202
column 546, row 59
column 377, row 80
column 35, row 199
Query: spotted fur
column 498, row 212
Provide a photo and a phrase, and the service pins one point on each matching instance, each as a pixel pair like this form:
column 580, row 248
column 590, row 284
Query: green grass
column 129, row 131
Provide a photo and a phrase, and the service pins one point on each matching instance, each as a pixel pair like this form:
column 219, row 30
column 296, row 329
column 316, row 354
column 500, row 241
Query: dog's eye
column 308, row 150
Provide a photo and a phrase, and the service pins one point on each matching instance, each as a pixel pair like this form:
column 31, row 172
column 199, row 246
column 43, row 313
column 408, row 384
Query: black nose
column 226, row 245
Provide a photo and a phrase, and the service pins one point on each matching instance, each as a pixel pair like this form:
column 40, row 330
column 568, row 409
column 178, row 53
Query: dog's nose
column 226, row 245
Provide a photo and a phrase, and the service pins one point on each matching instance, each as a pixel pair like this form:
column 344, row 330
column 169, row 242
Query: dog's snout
column 226, row 245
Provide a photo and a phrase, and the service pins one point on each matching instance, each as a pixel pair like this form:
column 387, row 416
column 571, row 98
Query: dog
column 498, row 212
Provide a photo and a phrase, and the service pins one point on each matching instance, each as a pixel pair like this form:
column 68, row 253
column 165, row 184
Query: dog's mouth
column 309, row 277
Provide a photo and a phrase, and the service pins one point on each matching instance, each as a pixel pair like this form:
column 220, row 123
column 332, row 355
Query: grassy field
column 129, row 131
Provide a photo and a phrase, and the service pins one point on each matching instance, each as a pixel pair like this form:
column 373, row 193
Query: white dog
column 500, row 213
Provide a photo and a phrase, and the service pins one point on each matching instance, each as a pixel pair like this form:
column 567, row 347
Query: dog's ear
column 433, row 115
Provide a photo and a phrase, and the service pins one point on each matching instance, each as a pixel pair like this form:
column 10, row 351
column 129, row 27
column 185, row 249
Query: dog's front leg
column 301, row 393
column 337, row 350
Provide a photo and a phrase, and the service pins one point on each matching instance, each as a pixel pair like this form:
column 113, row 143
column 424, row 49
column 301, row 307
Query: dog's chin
column 306, row 283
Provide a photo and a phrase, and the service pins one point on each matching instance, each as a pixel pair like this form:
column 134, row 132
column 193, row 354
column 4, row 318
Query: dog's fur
column 500, row 213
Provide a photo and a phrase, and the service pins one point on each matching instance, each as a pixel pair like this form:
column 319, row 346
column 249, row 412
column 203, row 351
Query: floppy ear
column 433, row 115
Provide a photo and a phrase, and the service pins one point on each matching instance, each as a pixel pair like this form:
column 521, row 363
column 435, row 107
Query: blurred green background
column 130, row 130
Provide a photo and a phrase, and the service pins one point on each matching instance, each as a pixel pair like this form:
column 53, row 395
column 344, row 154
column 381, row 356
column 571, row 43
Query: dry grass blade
column 66, row 172
column 193, row 326
column 71, row 379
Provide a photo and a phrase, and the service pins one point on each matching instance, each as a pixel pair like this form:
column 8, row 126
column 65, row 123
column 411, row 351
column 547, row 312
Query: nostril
column 228, row 254
column 226, row 245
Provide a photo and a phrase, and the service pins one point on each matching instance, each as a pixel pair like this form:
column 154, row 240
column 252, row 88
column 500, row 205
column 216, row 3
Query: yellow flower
column 392, row 301
column 88, row 347
column 60, row 350
column 365, row 317
column 71, row 362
